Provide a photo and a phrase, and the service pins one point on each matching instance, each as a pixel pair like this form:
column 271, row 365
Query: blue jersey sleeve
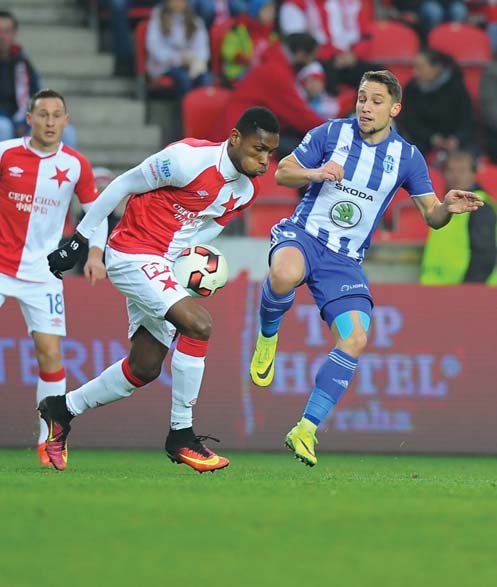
column 311, row 151
column 418, row 182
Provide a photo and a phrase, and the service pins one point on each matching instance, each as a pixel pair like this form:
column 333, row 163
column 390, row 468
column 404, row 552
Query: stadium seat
column 409, row 225
column 466, row 43
column 395, row 45
column 486, row 176
column 469, row 46
column 99, row 16
column 273, row 203
column 402, row 198
column 200, row 107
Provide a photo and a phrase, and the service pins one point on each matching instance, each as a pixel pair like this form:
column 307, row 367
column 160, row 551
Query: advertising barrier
column 426, row 383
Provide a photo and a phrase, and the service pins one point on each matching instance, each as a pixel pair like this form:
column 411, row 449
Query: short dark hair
column 462, row 154
column 386, row 78
column 257, row 117
column 7, row 14
column 304, row 42
column 46, row 93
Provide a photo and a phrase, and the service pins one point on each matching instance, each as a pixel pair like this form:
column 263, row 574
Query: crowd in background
column 301, row 58
column 242, row 44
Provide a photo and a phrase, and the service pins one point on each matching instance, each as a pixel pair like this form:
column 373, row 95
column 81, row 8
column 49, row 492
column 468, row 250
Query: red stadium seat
column 486, row 176
column 469, row 46
column 395, row 45
column 466, row 43
column 402, row 198
column 201, row 107
column 409, row 224
column 273, row 203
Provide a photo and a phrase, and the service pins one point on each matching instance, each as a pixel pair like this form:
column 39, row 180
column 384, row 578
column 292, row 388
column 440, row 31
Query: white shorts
column 151, row 289
column 42, row 304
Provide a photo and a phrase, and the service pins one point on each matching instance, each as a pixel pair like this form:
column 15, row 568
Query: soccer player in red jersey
column 38, row 177
column 183, row 195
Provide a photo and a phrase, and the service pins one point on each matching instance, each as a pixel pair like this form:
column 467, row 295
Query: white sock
column 115, row 383
column 187, row 374
column 49, row 384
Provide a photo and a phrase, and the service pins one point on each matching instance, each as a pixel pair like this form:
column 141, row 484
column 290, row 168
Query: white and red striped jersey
column 190, row 183
column 35, row 192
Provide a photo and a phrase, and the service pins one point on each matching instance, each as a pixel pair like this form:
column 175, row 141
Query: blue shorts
column 329, row 276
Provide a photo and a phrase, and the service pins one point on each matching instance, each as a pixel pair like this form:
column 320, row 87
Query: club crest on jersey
column 388, row 164
column 16, row 171
column 345, row 214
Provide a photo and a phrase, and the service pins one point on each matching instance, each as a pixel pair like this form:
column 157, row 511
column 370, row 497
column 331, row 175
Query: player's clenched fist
column 65, row 257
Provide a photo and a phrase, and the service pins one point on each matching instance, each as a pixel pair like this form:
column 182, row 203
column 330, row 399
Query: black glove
column 66, row 257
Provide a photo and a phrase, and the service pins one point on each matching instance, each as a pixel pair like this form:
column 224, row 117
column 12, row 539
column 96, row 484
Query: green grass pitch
column 134, row 519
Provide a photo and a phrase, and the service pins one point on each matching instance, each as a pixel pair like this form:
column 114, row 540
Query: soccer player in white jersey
column 354, row 168
column 183, row 195
column 38, row 177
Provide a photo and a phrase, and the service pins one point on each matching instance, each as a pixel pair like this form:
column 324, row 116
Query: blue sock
column 272, row 308
column 332, row 380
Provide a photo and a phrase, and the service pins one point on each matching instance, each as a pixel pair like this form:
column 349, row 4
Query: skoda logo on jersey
column 388, row 164
column 345, row 214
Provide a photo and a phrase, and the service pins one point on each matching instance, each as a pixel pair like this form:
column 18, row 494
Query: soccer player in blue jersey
column 353, row 167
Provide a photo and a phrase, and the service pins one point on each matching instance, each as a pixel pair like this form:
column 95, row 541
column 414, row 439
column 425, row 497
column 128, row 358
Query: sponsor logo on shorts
column 352, row 286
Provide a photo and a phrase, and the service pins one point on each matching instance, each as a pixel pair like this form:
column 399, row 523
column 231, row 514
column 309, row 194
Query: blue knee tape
column 345, row 324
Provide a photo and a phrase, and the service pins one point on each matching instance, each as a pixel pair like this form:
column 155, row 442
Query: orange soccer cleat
column 183, row 446
column 53, row 410
column 43, row 455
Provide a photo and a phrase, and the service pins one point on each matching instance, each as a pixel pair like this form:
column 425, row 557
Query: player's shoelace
column 199, row 447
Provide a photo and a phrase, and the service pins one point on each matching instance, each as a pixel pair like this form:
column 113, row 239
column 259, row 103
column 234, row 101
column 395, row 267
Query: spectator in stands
column 465, row 251
column 311, row 79
column 244, row 44
column 122, row 34
column 488, row 108
column 178, row 45
column 437, row 115
column 340, row 28
column 406, row 11
column 423, row 16
column 434, row 12
column 213, row 11
column 273, row 83
column 18, row 82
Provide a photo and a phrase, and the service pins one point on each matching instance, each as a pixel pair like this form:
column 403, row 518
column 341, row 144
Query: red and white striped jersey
column 35, row 192
column 193, row 182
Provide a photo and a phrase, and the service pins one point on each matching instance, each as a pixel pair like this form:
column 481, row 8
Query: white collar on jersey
column 42, row 154
column 225, row 165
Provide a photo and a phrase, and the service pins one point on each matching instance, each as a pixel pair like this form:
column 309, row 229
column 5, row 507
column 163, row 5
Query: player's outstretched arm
column 291, row 173
column 437, row 214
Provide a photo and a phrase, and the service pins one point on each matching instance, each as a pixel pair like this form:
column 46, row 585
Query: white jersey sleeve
column 130, row 182
column 169, row 167
column 99, row 237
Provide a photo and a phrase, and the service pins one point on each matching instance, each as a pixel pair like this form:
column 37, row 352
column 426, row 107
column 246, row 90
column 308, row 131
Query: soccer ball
column 201, row 270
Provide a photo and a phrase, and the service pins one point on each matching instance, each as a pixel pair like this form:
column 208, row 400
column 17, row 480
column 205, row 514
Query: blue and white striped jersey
column 343, row 215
